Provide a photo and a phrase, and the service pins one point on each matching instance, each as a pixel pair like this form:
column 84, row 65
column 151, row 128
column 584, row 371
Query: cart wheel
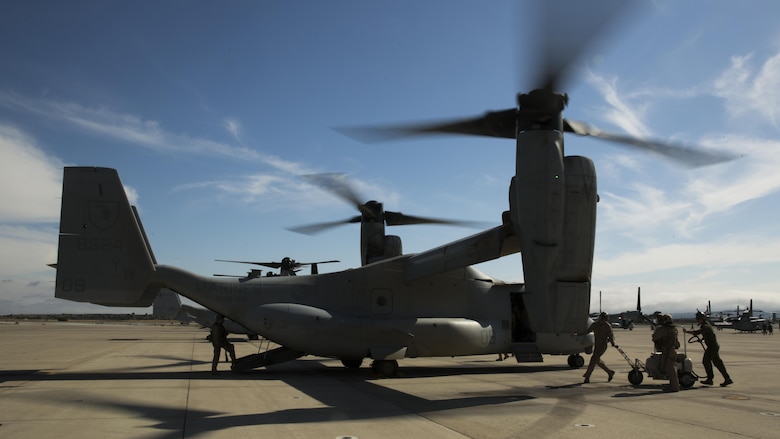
column 687, row 379
column 635, row 377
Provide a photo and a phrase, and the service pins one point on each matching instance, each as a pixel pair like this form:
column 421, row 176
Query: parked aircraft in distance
column 744, row 322
column 627, row 319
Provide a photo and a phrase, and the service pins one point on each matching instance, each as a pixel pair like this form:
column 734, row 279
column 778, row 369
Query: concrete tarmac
column 77, row 380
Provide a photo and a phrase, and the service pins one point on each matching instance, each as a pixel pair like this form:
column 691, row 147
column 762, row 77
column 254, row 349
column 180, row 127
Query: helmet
column 603, row 316
column 700, row 316
column 668, row 319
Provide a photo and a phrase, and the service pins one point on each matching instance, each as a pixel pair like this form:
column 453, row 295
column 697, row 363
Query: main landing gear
column 352, row 363
column 385, row 368
column 576, row 361
column 380, row 368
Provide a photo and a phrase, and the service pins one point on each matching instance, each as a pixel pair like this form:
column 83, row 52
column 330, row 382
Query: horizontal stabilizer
column 166, row 305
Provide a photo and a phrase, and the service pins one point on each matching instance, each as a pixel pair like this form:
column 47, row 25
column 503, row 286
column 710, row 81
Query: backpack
column 673, row 330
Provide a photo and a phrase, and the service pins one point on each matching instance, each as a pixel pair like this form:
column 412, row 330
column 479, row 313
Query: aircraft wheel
column 687, row 380
column 635, row 377
column 576, row 361
column 385, row 368
column 352, row 363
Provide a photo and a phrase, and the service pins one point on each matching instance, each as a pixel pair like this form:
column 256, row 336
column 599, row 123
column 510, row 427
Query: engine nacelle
column 575, row 260
column 393, row 246
column 574, row 264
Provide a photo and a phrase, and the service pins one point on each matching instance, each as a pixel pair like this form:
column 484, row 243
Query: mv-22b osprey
column 395, row 306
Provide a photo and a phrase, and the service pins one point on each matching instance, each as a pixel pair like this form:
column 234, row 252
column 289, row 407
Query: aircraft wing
column 485, row 246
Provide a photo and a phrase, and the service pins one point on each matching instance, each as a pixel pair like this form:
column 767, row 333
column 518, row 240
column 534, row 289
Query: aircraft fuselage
column 372, row 311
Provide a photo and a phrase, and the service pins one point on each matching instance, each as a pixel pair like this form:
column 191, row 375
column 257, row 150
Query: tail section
column 103, row 256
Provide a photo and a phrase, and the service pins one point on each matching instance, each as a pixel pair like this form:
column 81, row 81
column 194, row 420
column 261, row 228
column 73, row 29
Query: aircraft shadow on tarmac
column 650, row 389
column 344, row 397
column 343, row 394
column 298, row 368
column 171, row 421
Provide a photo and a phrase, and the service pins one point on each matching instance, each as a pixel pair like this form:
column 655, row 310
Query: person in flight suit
column 602, row 334
column 711, row 353
column 219, row 341
column 666, row 342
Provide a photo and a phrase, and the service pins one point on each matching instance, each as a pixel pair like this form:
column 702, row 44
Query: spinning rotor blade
column 313, row 229
column 680, row 153
column 264, row 264
column 502, row 124
column 399, row 219
column 318, row 262
column 371, row 210
column 566, row 32
column 338, row 185
column 295, row 264
column 493, row 124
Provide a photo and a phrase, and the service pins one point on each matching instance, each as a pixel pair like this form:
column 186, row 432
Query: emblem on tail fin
column 103, row 214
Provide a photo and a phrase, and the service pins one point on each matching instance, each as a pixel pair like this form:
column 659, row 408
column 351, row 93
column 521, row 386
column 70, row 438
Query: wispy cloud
column 30, row 190
column 751, row 177
column 234, row 128
column 687, row 201
column 750, row 92
column 290, row 192
column 247, row 188
column 30, row 181
column 619, row 111
column 731, row 270
column 699, row 194
column 136, row 130
column 279, row 182
column 26, row 249
column 726, row 252
column 666, row 235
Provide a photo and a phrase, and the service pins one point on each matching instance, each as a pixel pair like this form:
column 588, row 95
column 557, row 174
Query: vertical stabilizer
column 103, row 256
column 639, row 300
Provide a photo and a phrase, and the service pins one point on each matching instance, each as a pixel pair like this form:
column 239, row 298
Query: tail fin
column 639, row 299
column 103, row 256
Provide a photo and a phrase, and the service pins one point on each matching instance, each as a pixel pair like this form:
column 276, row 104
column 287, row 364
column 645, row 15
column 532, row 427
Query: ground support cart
column 654, row 369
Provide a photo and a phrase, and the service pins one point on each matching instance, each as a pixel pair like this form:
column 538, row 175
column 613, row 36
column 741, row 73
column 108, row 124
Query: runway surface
column 76, row 380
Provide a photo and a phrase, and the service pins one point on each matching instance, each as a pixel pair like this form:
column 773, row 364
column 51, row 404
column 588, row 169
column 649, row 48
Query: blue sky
column 211, row 111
